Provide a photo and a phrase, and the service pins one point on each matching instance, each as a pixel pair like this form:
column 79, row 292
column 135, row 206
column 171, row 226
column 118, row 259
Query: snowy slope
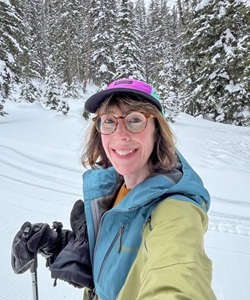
column 40, row 179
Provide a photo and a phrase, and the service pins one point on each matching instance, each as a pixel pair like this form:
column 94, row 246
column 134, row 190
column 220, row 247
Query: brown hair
column 163, row 157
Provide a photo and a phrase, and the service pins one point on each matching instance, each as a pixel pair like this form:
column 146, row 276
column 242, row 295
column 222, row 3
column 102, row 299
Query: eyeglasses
column 134, row 122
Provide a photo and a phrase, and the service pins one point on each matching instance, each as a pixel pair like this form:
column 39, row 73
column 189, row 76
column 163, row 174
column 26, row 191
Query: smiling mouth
column 124, row 152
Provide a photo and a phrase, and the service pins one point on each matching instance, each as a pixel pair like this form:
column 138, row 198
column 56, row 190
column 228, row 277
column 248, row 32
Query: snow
column 2, row 65
column 40, row 179
column 246, row 2
column 233, row 88
column 202, row 4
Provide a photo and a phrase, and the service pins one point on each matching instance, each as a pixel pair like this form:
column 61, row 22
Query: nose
column 121, row 131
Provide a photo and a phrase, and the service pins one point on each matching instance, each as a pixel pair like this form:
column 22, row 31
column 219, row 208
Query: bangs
column 125, row 102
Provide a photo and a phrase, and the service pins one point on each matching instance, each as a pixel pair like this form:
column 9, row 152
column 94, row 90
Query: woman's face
column 129, row 152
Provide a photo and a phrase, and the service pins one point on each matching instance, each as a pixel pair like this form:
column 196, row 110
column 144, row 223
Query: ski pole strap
column 92, row 295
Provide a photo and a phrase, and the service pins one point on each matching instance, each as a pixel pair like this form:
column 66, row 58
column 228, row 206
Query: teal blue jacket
column 115, row 233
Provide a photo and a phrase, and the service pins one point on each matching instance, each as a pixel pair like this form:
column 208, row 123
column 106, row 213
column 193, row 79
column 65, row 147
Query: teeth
column 124, row 152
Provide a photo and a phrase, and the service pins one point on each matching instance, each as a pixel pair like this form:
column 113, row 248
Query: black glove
column 73, row 262
column 31, row 239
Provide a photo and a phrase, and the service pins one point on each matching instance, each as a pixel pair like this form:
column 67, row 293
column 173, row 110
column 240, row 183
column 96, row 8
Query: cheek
column 151, row 143
column 105, row 143
column 151, row 138
column 148, row 142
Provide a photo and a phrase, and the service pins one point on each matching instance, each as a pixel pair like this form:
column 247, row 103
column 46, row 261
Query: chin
column 124, row 172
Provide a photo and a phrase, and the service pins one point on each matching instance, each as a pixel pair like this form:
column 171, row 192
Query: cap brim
column 94, row 101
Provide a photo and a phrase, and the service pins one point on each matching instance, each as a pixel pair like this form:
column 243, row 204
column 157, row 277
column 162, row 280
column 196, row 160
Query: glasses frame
column 146, row 115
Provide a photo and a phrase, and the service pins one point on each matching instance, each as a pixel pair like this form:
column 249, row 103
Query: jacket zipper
column 148, row 222
column 118, row 237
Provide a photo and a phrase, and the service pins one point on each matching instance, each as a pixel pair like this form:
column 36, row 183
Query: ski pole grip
column 33, row 266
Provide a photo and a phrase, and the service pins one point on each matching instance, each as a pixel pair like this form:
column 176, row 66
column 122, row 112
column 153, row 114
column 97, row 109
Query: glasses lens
column 106, row 124
column 135, row 122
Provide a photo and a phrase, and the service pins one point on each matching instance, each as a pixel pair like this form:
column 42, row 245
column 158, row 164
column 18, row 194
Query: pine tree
column 72, row 91
column 52, row 91
column 102, row 41
column 11, row 35
column 2, row 112
column 162, row 55
column 216, row 48
column 141, row 23
column 29, row 92
column 35, row 58
column 64, row 22
column 128, row 56
column 168, row 81
column 155, row 40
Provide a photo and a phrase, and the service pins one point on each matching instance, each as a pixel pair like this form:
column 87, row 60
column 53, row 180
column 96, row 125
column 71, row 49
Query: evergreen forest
column 196, row 53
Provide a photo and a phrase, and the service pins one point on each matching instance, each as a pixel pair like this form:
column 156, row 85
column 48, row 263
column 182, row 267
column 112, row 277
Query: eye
column 108, row 120
column 135, row 118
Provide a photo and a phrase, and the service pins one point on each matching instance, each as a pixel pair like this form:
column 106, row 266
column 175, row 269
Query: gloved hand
column 31, row 239
column 73, row 263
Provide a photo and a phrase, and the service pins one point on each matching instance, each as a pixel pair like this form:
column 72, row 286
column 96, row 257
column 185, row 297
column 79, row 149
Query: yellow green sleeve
column 171, row 263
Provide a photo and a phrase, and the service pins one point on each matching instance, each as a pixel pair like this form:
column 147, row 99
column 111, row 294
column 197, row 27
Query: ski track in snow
column 31, row 171
column 229, row 224
column 215, row 155
column 219, row 151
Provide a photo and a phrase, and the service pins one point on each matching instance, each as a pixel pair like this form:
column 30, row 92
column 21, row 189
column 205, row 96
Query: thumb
column 38, row 237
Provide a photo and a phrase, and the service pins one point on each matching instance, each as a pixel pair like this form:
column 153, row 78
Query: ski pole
column 33, row 270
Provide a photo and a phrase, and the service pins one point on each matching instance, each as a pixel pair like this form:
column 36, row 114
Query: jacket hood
column 183, row 183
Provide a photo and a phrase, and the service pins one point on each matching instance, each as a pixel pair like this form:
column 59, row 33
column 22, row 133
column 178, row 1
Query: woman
column 145, row 207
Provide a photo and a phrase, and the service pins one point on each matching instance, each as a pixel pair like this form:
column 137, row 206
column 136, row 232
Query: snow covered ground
column 40, row 179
